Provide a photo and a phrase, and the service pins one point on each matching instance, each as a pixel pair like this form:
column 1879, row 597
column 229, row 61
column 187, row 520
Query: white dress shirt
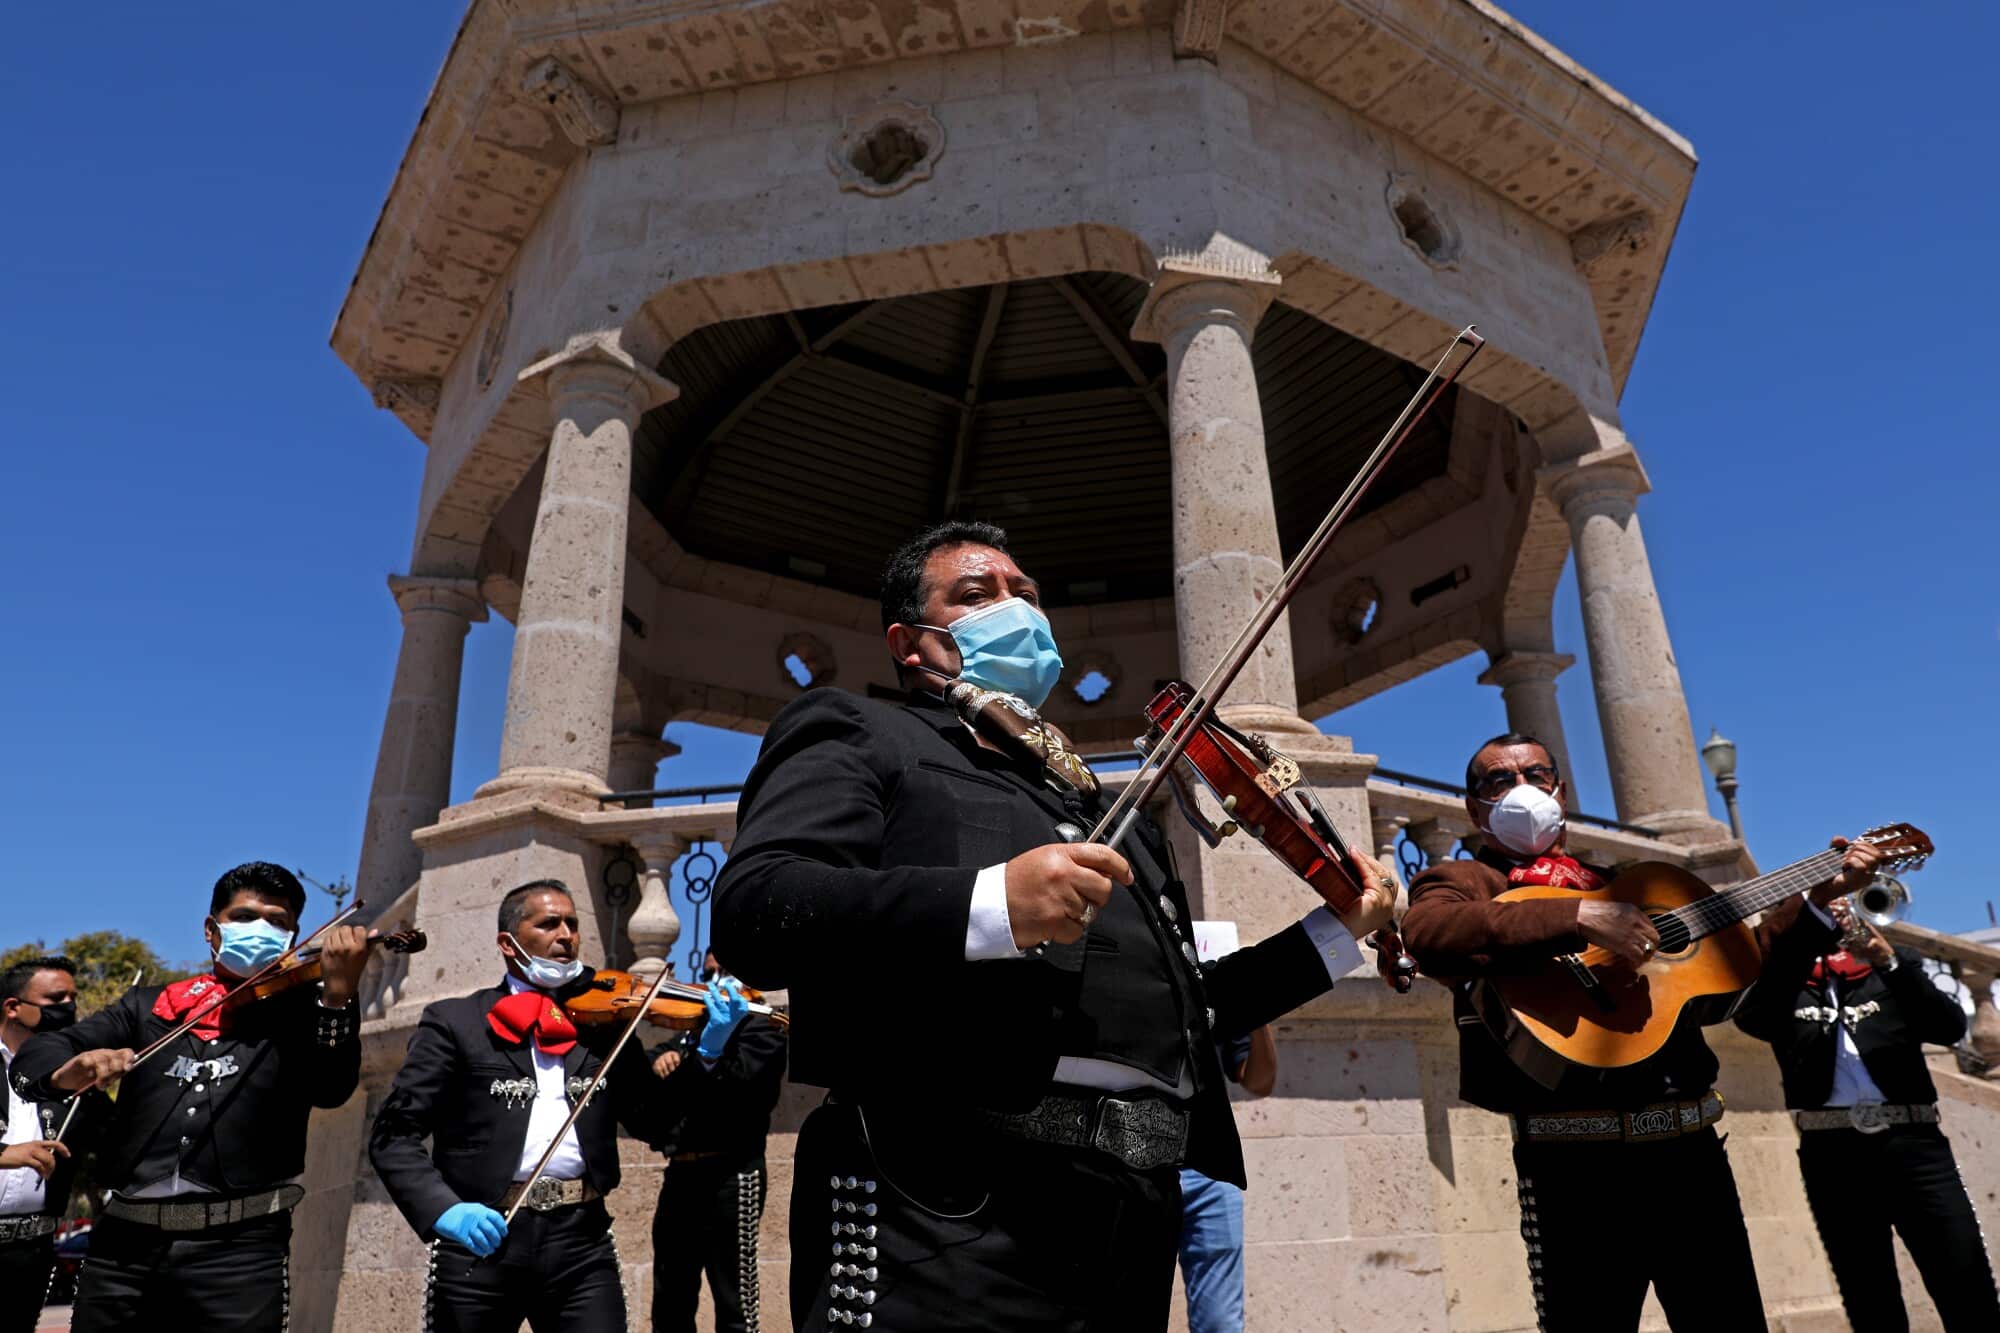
column 989, row 934
column 551, row 1108
column 21, row 1189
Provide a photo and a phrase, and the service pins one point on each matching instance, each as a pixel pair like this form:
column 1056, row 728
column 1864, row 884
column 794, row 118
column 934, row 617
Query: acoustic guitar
column 1588, row 1009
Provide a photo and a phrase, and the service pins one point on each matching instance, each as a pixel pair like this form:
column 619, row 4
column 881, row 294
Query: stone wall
column 1378, row 1200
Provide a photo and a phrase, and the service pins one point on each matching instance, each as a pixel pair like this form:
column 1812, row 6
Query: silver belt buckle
column 1142, row 1134
column 1868, row 1117
column 544, row 1195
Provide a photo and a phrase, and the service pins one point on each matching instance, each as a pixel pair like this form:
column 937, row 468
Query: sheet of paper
column 1213, row 939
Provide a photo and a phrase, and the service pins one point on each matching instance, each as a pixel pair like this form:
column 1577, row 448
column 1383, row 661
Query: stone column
column 413, row 764
column 1436, row 839
column 654, row 925
column 635, row 760
column 1527, row 682
column 1226, row 562
column 564, row 680
column 1656, row 775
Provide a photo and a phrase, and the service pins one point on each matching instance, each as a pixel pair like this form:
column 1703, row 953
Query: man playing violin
column 1610, row 1201
column 489, row 1079
column 208, row 1135
column 1008, row 1156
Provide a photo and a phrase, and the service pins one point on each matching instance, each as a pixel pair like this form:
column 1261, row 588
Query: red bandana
column 1561, row 872
column 182, row 998
column 531, row 1011
column 1841, row 964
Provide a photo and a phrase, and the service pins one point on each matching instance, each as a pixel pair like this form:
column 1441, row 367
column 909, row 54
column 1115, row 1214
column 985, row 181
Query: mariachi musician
column 1001, row 1143
column 491, row 1080
column 1848, row 1029
column 209, row 1132
column 1601, row 1152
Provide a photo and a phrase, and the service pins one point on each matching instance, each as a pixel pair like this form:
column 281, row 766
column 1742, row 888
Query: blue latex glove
column 727, row 1008
column 473, row 1225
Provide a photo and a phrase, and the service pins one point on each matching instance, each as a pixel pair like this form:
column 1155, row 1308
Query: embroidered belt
column 1142, row 1132
column 1661, row 1120
column 201, row 1214
column 32, row 1226
column 549, row 1195
column 1868, row 1117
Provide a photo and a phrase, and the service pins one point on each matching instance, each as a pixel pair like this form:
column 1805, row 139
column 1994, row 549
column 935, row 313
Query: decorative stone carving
column 1198, row 28
column 1424, row 227
column 813, row 656
column 407, row 395
column 1083, row 667
column 886, row 148
column 494, row 340
column 1628, row 234
column 1355, row 609
column 588, row 118
column 654, row 925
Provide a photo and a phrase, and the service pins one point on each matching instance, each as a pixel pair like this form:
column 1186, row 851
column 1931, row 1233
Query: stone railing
column 1973, row 968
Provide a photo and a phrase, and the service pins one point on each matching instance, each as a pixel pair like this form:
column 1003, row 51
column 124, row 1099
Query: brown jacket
column 1457, row 934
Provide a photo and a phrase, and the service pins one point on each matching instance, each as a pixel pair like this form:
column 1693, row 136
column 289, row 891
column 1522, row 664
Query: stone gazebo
column 699, row 310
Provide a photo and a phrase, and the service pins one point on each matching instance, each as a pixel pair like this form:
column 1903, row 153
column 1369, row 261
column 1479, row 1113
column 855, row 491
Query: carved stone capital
column 401, row 395
column 594, row 365
column 1198, row 28
column 1604, row 480
column 417, row 594
column 587, row 117
column 1202, row 290
column 1628, row 234
column 1520, row 668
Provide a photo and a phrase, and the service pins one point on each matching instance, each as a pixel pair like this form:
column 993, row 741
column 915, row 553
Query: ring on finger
column 1089, row 913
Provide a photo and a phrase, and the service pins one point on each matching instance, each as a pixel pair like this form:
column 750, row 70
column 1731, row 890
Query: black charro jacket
column 470, row 1092
column 859, row 834
column 1892, row 1014
column 230, row 1112
column 81, row 1136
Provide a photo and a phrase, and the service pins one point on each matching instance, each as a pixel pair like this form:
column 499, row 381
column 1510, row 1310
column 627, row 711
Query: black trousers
column 557, row 1270
column 235, row 1278
column 1861, row 1186
column 707, row 1220
column 912, row 1225
column 25, row 1268
column 1605, row 1220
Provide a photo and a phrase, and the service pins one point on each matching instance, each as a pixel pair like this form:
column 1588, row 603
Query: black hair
column 1508, row 738
column 903, row 590
column 263, row 879
column 16, row 978
column 514, row 907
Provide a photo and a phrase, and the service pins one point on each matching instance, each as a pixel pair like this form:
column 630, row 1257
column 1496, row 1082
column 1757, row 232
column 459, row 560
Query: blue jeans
column 1212, row 1253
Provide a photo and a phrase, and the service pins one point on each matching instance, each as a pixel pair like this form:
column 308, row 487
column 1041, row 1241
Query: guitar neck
column 1726, row 909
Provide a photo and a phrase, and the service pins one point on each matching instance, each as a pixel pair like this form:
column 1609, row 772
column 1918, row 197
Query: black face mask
column 56, row 1017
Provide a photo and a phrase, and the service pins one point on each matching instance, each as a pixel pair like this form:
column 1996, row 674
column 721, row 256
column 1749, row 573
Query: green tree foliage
column 105, row 962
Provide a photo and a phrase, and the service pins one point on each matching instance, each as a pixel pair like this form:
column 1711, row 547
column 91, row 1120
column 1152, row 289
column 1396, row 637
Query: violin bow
column 201, row 1010
column 569, row 1123
column 1158, row 761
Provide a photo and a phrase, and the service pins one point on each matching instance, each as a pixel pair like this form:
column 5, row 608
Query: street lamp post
column 1719, row 754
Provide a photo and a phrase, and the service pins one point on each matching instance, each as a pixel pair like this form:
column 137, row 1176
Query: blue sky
column 203, row 503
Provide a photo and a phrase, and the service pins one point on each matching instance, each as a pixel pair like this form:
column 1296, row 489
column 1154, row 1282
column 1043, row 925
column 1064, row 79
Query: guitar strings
column 1684, row 925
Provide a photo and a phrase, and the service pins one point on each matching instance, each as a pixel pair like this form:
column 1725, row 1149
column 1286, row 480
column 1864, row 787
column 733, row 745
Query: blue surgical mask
column 546, row 973
column 1007, row 646
column 247, row 946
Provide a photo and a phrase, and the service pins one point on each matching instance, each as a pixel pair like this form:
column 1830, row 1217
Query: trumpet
column 1882, row 903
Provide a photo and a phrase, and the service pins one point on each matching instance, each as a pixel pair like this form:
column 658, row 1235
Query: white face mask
column 547, row 973
column 1527, row 821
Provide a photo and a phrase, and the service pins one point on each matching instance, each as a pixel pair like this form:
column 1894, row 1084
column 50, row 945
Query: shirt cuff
column 1825, row 917
column 989, row 933
column 1335, row 947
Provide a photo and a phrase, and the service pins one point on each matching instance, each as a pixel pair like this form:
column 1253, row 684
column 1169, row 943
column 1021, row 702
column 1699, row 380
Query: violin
column 617, row 997
column 301, row 965
column 1259, row 789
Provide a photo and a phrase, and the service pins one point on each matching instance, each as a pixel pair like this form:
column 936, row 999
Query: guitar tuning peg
column 1229, row 827
column 1229, row 805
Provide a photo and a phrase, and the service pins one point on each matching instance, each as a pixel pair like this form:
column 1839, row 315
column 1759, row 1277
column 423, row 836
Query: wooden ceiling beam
column 1094, row 319
column 975, row 376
